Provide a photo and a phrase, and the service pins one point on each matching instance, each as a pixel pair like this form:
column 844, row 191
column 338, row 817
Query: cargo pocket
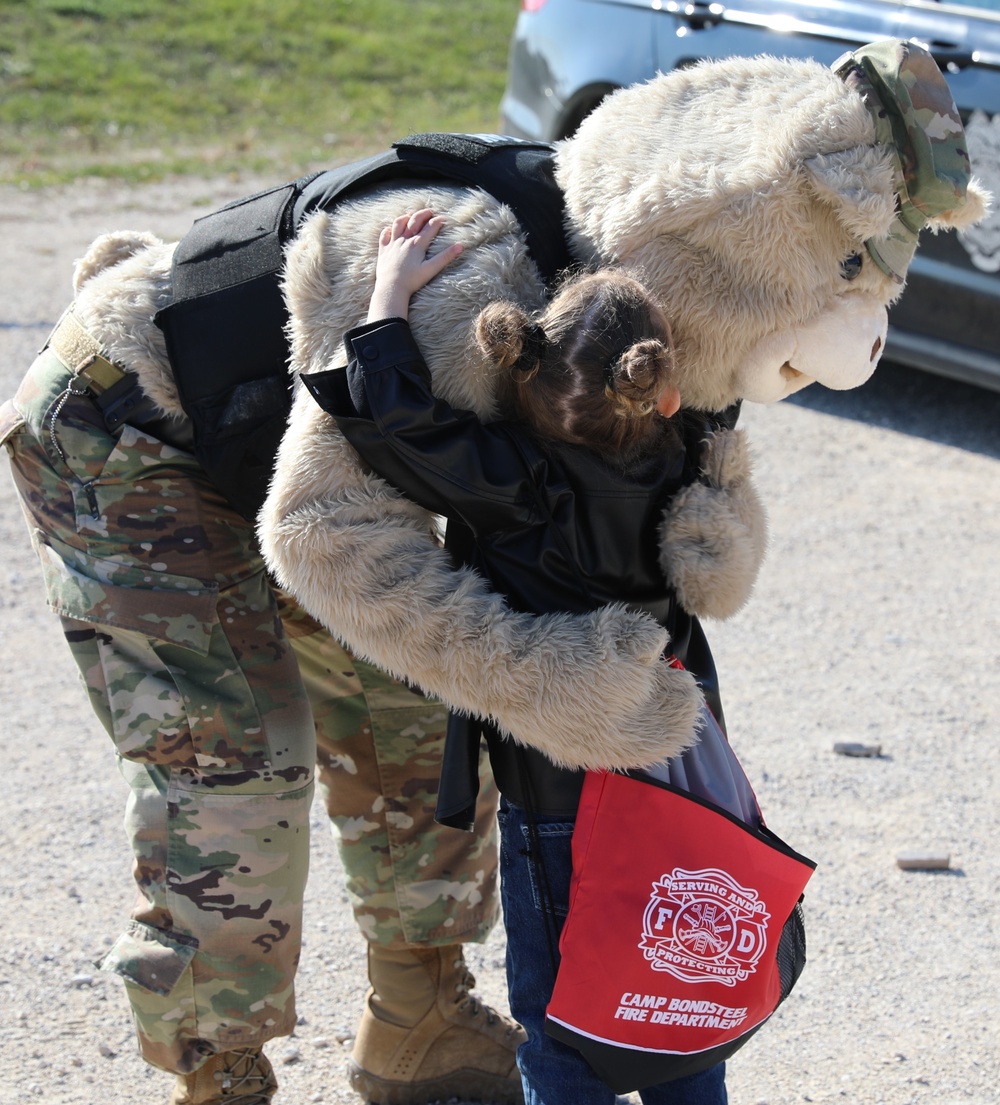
column 175, row 691
column 151, row 958
column 11, row 420
column 174, row 608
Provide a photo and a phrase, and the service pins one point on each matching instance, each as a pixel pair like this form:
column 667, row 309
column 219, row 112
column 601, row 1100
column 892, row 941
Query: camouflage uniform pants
column 216, row 690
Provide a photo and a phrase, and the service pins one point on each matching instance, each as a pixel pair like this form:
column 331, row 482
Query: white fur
column 108, row 250
column 714, row 534
column 121, row 282
column 976, row 207
column 330, row 272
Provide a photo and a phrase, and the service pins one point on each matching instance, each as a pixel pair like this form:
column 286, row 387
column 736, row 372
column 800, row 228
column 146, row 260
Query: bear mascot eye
column 850, row 267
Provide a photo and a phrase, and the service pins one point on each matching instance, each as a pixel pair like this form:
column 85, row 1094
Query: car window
column 989, row 5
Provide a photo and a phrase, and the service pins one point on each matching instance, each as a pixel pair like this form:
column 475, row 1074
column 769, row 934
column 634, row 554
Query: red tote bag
column 684, row 930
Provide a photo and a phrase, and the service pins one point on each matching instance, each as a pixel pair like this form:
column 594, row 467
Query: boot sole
column 466, row 1085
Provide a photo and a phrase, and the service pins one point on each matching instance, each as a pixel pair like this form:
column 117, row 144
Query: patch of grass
column 137, row 90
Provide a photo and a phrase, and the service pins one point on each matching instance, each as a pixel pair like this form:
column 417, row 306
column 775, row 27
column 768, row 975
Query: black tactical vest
column 225, row 329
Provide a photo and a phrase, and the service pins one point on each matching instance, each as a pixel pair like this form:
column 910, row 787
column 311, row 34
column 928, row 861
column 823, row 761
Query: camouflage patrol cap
column 917, row 120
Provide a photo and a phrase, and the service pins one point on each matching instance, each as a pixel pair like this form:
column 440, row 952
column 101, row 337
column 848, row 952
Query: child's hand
column 403, row 266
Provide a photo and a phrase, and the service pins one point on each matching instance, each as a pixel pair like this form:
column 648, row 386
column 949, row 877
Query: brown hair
column 590, row 369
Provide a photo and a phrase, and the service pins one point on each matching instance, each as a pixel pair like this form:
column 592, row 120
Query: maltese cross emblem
column 703, row 926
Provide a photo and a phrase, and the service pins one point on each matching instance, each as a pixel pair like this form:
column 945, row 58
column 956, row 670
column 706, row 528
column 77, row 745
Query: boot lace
column 472, row 1006
column 245, row 1080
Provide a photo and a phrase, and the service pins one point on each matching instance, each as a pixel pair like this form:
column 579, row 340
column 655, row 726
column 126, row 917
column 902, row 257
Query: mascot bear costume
column 772, row 205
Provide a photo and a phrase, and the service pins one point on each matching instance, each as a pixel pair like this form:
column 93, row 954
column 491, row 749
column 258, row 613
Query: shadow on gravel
column 918, row 403
column 943, row 873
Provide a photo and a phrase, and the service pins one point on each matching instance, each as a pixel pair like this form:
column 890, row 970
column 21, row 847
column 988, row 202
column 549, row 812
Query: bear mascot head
column 773, row 206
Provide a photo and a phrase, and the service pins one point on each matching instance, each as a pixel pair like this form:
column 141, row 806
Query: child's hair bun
column 639, row 376
column 510, row 338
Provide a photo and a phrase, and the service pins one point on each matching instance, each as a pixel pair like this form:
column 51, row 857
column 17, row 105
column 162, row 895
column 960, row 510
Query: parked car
column 567, row 55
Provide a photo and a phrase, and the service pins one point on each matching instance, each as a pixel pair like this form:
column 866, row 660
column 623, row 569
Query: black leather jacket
column 553, row 526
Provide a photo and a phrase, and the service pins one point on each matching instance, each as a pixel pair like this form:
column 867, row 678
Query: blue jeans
column 552, row 1073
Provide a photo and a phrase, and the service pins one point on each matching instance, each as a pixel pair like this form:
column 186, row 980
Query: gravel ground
column 875, row 620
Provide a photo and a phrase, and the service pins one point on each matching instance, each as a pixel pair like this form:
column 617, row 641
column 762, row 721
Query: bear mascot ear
column 108, row 250
column 857, row 185
column 976, row 207
column 853, row 183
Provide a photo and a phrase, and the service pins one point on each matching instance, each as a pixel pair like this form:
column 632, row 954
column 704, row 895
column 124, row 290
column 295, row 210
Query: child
column 559, row 508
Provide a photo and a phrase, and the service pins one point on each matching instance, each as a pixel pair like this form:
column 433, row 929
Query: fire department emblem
column 702, row 926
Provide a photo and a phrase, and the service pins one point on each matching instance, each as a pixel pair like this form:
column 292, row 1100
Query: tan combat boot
column 423, row 1037
column 240, row 1077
